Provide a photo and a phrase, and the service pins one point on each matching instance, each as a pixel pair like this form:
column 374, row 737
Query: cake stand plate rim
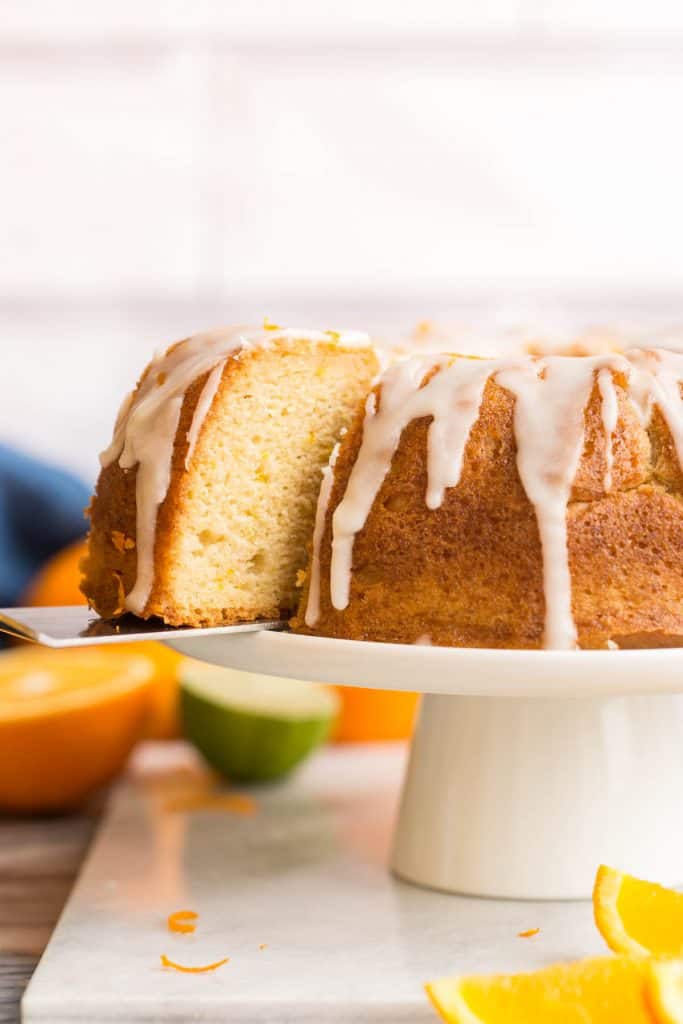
column 456, row 671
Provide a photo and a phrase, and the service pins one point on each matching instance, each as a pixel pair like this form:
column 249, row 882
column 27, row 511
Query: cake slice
column 206, row 500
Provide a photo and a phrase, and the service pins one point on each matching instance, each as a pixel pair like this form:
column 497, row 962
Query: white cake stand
column 527, row 768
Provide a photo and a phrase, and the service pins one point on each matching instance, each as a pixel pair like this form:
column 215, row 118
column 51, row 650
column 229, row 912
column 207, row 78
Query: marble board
column 297, row 895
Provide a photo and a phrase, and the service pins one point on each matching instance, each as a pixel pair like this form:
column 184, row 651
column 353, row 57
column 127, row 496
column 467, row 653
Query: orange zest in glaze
column 424, row 328
column 528, row 934
column 182, row 921
column 165, row 962
column 268, row 326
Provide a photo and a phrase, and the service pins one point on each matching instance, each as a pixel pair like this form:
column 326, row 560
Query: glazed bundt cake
column 515, row 502
column 206, row 499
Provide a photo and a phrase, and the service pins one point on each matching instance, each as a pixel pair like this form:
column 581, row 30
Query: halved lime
column 253, row 728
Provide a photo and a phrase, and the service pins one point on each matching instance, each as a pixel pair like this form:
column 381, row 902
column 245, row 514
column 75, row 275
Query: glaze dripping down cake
column 521, row 501
column 516, row 502
column 206, row 499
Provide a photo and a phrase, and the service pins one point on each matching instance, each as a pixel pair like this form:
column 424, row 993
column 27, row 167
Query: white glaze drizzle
column 550, row 398
column 452, row 398
column 641, row 382
column 382, row 430
column 203, row 405
column 313, row 602
column 455, row 410
column 609, row 410
column 147, row 424
column 550, row 394
column 656, row 380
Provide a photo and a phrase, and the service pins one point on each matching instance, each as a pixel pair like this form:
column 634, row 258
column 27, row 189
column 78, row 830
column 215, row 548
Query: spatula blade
column 78, row 626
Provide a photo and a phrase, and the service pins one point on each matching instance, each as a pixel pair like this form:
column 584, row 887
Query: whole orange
column 57, row 583
column 374, row 715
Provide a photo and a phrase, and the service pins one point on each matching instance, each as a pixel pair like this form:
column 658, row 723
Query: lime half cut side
column 253, row 728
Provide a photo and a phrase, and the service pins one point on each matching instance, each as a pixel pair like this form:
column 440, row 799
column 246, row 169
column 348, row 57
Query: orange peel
column 231, row 803
column 182, row 921
column 528, row 934
column 204, row 969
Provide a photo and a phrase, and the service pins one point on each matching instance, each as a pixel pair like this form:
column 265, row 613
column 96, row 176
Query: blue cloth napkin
column 41, row 510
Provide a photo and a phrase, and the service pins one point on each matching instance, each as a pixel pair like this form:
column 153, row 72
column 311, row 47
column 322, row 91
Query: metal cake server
column 78, row 626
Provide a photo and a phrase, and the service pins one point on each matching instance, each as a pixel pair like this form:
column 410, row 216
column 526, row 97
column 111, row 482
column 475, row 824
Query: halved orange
column 163, row 713
column 57, row 583
column 634, row 916
column 603, row 990
column 68, row 720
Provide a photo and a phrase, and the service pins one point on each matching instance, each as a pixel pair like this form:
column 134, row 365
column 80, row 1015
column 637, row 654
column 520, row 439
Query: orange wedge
column 665, row 991
column 68, row 720
column 637, row 917
column 604, row 990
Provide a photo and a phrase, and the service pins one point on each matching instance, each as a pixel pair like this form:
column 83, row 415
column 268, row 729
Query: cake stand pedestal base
column 528, row 768
column 523, row 798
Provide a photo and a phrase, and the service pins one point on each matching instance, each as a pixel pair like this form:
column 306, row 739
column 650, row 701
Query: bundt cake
column 517, row 502
column 206, row 499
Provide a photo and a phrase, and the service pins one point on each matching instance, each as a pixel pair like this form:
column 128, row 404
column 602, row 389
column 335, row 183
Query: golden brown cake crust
column 110, row 566
column 469, row 573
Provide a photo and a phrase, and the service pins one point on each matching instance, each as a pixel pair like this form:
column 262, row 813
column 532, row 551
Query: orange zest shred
column 268, row 326
column 182, row 921
column 165, row 962
column 237, row 803
column 232, row 803
column 121, row 542
column 528, row 934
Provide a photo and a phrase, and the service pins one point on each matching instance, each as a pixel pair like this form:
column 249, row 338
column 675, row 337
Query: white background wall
column 169, row 166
